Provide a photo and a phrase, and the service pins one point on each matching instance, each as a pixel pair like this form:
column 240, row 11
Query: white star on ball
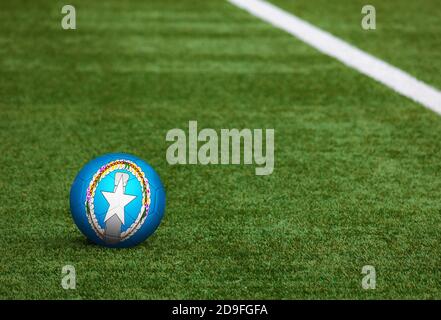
column 117, row 201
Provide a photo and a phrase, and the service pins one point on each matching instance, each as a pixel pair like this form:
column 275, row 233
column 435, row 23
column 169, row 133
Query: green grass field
column 357, row 166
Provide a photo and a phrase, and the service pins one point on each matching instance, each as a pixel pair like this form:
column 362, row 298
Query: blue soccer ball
column 117, row 200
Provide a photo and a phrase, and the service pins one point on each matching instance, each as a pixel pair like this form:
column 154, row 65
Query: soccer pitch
column 356, row 179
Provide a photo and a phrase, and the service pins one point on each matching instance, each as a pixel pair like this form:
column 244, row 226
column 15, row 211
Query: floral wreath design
column 90, row 196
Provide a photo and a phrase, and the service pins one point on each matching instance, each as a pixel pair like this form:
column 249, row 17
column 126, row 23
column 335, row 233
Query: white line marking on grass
column 351, row 56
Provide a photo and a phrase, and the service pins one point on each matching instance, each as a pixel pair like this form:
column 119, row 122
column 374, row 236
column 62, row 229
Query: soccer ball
column 117, row 200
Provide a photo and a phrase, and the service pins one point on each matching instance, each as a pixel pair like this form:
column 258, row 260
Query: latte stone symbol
column 115, row 214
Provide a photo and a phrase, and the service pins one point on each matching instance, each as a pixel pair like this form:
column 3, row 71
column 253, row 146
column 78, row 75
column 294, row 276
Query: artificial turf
column 356, row 178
